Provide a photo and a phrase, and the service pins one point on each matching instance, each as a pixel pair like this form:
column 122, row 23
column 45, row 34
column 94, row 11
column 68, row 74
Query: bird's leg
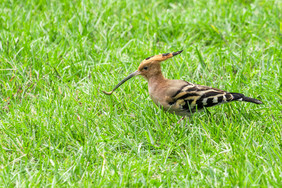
column 180, row 120
column 189, row 120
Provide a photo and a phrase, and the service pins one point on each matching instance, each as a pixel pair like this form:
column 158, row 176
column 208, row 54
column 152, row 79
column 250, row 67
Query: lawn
column 57, row 128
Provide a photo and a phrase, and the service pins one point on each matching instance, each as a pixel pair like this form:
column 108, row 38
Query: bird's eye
column 145, row 68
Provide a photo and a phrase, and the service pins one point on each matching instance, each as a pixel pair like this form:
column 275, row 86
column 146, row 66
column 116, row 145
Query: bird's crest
column 158, row 58
column 161, row 57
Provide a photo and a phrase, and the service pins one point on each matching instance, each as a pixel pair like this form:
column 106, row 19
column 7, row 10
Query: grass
column 58, row 128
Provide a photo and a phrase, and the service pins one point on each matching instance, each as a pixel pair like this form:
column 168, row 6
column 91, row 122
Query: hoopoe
column 178, row 96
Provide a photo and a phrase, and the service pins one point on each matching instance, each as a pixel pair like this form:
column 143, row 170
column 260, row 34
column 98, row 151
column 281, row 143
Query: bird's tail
column 241, row 97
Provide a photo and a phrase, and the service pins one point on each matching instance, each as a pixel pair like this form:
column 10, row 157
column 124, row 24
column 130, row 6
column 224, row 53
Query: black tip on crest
column 166, row 54
column 149, row 58
column 176, row 53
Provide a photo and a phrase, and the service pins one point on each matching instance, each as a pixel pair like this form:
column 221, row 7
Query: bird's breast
column 157, row 94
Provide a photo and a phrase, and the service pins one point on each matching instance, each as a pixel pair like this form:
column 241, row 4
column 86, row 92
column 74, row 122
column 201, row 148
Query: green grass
column 57, row 128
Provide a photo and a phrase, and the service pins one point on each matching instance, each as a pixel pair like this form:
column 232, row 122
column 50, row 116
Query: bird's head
column 151, row 65
column 147, row 68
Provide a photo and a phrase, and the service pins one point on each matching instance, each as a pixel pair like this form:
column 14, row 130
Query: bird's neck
column 156, row 78
column 156, row 82
column 155, row 75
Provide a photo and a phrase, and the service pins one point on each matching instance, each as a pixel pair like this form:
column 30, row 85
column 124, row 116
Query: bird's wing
column 194, row 97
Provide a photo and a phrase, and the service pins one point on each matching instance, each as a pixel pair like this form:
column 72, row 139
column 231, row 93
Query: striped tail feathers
column 241, row 97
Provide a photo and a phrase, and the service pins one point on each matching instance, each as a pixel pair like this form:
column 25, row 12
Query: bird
column 178, row 96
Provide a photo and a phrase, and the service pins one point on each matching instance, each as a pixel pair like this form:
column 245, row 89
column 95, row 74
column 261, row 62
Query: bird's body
column 178, row 96
column 184, row 98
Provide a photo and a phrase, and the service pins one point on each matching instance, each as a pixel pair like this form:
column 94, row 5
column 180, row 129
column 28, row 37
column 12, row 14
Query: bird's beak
column 121, row 82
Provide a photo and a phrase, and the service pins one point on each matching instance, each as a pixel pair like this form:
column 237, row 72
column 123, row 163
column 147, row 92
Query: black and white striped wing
column 195, row 97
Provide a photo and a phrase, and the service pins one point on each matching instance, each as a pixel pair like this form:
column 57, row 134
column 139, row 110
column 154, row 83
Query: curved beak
column 121, row 82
